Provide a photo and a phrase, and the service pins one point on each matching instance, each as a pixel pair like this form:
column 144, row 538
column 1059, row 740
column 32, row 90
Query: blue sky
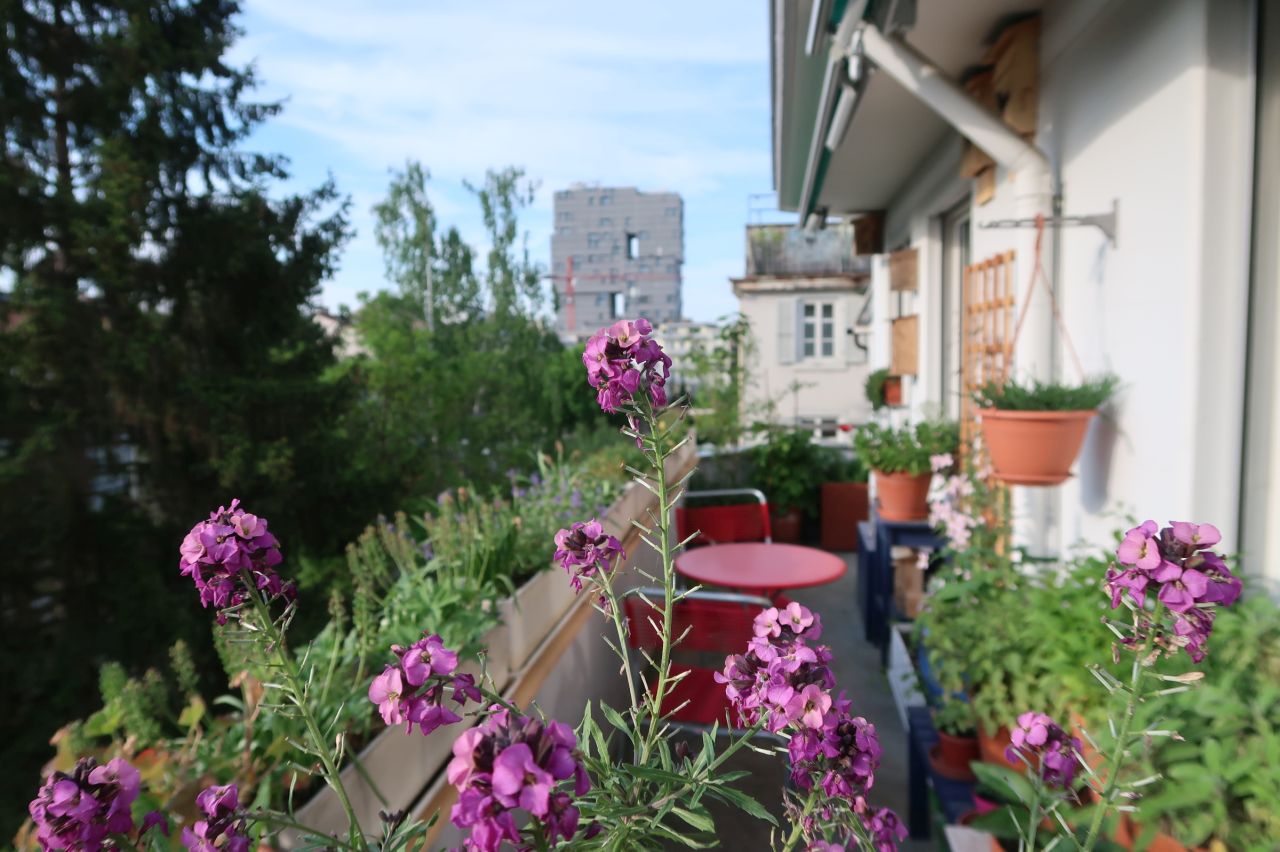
column 662, row 95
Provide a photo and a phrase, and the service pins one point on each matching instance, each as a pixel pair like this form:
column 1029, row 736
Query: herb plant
column 874, row 388
column 909, row 449
column 1046, row 396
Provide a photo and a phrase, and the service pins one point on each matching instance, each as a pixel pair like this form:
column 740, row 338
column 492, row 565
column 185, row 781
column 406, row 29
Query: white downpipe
column 1028, row 169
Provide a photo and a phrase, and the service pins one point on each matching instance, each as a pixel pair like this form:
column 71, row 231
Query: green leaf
column 1009, row 785
column 743, row 802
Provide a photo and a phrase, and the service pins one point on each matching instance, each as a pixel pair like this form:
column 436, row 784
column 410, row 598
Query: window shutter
column 786, row 331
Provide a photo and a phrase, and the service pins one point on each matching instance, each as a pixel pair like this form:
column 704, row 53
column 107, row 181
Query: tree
column 159, row 357
column 514, row 281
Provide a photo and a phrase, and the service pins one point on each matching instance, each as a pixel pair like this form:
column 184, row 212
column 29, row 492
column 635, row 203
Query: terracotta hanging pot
column 903, row 496
column 1033, row 447
column 893, row 390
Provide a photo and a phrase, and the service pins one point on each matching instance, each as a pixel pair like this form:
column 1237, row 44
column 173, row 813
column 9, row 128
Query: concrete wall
column 1148, row 102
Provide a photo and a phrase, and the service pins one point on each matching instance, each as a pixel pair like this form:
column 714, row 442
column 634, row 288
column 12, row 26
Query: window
column 818, row 330
column 606, row 222
column 619, row 305
column 633, row 246
column 606, row 200
column 671, row 212
column 593, row 240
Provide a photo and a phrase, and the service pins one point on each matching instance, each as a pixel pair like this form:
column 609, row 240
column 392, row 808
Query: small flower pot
column 903, row 496
column 1033, row 447
column 844, row 504
column 992, row 747
column 787, row 524
column 893, row 390
column 952, row 755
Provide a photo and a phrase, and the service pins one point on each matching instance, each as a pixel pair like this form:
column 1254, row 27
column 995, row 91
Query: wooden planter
column 1033, row 447
column 844, row 505
column 903, row 496
column 403, row 765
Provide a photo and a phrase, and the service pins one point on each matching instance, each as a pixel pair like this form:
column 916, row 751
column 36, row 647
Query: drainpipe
column 1035, row 509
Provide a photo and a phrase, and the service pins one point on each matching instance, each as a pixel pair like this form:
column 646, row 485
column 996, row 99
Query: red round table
column 757, row 566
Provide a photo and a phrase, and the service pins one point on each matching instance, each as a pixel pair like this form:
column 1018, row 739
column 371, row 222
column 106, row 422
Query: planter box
column 844, row 506
column 401, row 764
column 902, row 674
column 532, row 611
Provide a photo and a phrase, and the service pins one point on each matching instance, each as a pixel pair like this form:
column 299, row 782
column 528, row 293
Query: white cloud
column 663, row 95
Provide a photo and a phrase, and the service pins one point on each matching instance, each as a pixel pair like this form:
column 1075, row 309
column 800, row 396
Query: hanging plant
column 1034, row 432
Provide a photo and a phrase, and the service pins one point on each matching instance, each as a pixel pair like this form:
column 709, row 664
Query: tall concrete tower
column 615, row 252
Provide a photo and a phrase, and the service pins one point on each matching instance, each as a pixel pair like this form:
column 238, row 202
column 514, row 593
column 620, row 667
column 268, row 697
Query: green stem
column 668, row 581
column 797, row 830
column 294, row 684
column 1034, row 827
column 1121, row 744
column 615, row 611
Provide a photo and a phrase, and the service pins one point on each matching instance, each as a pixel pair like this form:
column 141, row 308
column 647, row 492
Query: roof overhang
column 891, row 129
column 769, row 284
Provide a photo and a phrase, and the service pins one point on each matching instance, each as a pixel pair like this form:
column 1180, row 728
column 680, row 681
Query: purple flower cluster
column 1187, row 576
column 511, row 762
column 219, row 552
column 584, row 548
column 1039, row 740
column 843, row 754
column 223, row 827
column 80, row 809
column 781, row 679
column 623, row 359
column 885, row 828
column 412, row 692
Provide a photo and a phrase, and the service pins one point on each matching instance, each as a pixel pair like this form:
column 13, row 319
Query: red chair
column 718, row 624
column 747, row 521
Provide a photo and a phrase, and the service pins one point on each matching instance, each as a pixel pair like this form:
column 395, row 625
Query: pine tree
column 158, row 354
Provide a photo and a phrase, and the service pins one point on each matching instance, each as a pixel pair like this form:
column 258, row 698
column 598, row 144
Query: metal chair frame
column 755, row 493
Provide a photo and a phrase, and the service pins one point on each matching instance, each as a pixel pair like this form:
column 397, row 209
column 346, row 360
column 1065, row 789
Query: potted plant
column 957, row 740
column 902, row 462
column 1033, row 432
column 787, row 467
column 883, row 389
column 845, row 501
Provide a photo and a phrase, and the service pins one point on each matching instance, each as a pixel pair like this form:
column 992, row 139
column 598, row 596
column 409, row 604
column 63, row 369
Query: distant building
column 615, row 252
column 681, row 339
column 804, row 295
column 342, row 331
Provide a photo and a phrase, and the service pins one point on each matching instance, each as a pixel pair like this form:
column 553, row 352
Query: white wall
column 832, row 388
column 1148, row 102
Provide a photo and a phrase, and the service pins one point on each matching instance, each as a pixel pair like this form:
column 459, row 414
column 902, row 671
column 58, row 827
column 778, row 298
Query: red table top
column 758, row 566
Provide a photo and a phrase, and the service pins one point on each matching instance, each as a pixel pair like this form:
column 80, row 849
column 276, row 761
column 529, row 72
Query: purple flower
column 623, row 359
column 885, row 828
column 80, row 809
column 1187, row 577
column 510, row 763
column 841, row 757
column 1037, row 738
column 224, row 827
column 584, row 548
column 413, row 691
column 231, row 556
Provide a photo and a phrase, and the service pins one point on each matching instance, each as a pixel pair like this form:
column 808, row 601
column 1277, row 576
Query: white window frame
column 816, row 327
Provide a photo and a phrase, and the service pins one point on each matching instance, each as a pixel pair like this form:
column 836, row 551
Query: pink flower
column 412, row 692
column 1199, row 536
column 385, row 691
column 1139, row 547
column 809, row 705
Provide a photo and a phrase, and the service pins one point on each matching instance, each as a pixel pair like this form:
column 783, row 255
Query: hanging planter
column 1033, row 433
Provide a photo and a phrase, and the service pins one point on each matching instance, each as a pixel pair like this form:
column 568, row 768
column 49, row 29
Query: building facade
column 803, row 295
column 1146, row 133
column 615, row 252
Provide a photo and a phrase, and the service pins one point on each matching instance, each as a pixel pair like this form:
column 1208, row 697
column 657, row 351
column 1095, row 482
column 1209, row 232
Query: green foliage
column 906, row 449
column 874, row 387
column 789, row 468
column 1046, row 396
column 1222, row 776
column 955, row 717
column 715, row 380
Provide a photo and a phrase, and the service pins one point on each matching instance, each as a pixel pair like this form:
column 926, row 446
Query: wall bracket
column 1107, row 223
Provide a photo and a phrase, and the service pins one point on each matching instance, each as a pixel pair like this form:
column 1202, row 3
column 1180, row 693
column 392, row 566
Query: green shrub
column 907, row 449
column 875, row 388
column 1046, row 396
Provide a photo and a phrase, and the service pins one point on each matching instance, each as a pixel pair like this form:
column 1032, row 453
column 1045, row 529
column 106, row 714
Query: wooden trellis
column 986, row 338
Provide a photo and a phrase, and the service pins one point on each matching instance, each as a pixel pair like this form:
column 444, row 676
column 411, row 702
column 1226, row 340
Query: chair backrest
column 746, row 521
column 716, row 621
